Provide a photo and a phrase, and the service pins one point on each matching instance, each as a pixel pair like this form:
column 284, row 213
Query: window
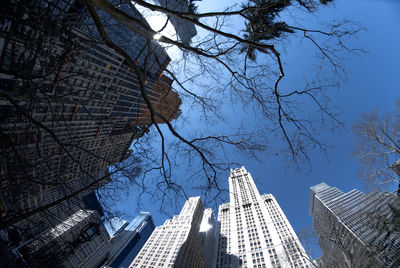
column 90, row 232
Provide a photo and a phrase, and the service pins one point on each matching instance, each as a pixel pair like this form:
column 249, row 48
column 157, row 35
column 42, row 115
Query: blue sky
column 373, row 82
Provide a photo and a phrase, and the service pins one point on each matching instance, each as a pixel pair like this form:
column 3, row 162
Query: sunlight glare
column 204, row 227
column 157, row 36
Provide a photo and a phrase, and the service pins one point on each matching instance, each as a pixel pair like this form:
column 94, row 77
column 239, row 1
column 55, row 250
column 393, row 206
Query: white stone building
column 176, row 243
column 253, row 231
column 356, row 229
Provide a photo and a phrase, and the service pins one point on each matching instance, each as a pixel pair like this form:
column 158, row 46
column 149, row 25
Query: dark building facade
column 69, row 107
column 78, row 240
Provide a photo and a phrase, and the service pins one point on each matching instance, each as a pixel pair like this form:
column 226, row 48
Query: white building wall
column 177, row 243
column 253, row 231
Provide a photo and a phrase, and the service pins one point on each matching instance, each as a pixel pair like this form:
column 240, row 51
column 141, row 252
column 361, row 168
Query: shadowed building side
column 73, row 118
column 207, row 230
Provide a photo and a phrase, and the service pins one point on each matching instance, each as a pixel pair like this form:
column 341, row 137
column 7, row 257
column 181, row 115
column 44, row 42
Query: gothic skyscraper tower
column 253, row 231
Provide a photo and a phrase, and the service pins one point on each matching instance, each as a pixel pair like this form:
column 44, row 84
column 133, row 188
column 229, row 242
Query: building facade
column 165, row 102
column 129, row 240
column 176, row 243
column 355, row 229
column 79, row 241
column 207, row 231
column 70, row 106
column 29, row 227
column 77, row 238
column 253, row 231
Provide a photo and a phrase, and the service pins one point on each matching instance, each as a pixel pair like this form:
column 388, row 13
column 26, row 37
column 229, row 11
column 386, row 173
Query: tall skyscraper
column 129, row 240
column 253, row 231
column 178, row 242
column 356, row 229
column 70, row 106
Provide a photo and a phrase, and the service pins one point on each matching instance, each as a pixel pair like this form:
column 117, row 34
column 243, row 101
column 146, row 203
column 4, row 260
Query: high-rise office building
column 129, row 240
column 69, row 105
column 176, row 243
column 29, row 227
column 355, row 229
column 253, row 231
